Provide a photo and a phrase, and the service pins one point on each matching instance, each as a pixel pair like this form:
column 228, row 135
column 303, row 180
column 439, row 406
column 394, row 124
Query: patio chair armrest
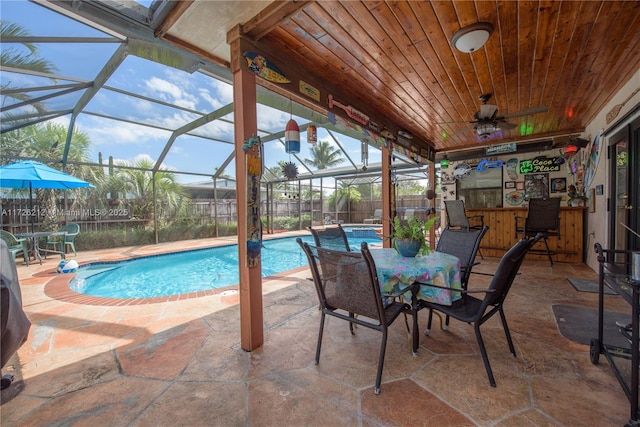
column 477, row 217
column 463, row 291
column 399, row 292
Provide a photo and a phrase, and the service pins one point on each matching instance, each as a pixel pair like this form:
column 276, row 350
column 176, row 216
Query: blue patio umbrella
column 30, row 174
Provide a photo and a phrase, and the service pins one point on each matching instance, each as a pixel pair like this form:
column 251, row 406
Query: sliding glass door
column 624, row 201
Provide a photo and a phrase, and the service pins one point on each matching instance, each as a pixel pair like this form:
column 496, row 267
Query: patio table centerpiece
column 410, row 235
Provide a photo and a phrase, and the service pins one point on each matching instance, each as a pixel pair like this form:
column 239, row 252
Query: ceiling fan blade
column 506, row 125
column 529, row 111
column 487, row 111
column 453, row 123
column 462, row 131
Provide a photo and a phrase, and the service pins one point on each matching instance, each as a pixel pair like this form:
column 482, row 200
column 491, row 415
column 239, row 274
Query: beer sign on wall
column 541, row 164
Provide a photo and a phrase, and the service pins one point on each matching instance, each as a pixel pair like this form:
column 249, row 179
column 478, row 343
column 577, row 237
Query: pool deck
column 179, row 362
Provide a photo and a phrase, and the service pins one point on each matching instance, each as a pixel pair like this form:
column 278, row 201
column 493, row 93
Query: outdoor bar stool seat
column 543, row 216
column 457, row 216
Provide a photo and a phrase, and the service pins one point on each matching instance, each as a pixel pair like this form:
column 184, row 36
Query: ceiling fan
column 487, row 121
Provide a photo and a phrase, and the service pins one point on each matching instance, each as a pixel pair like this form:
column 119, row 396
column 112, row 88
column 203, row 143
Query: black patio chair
column 347, row 282
column 457, row 216
column 470, row 309
column 464, row 245
column 331, row 237
column 543, row 216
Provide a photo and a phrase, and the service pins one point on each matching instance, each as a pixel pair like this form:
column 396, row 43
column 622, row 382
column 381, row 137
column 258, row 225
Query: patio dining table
column 35, row 243
column 396, row 272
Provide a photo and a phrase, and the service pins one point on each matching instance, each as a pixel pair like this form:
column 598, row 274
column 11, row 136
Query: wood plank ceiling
column 394, row 61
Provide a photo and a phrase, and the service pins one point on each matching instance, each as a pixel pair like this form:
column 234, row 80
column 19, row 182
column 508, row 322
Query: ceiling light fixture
column 484, row 130
column 472, row 37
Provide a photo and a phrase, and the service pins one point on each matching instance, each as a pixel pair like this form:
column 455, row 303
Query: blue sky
column 128, row 141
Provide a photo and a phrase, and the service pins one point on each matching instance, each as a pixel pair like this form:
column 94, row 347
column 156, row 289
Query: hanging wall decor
column 312, row 134
column 461, row 171
column 253, row 150
column 292, row 137
column 354, row 114
column 290, row 170
column 264, row 68
column 364, row 152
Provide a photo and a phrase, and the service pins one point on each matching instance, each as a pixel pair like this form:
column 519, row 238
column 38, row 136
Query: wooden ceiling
column 394, row 62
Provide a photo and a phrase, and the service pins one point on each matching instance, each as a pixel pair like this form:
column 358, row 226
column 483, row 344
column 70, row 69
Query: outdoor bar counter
column 502, row 233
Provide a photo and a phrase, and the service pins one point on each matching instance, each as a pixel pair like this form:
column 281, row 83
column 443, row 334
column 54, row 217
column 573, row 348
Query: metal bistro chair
column 347, row 282
column 331, row 237
column 464, row 245
column 472, row 310
column 543, row 216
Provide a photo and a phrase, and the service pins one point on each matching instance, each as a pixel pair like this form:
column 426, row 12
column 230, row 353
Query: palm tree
column 46, row 141
column 324, row 156
column 27, row 58
column 345, row 194
column 139, row 186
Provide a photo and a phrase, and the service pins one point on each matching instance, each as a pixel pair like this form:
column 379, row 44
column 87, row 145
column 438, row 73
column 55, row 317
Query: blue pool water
column 190, row 271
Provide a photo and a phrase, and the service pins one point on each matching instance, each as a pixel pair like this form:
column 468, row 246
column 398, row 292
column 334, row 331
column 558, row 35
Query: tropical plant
column 324, row 156
column 138, row 180
column 25, row 58
column 412, row 229
column 409, row 188
column 345, row 194
column 47, row 141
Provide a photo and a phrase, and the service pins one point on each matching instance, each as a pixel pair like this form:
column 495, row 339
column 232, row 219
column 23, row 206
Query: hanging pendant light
column 292, row 137
column 312, row 134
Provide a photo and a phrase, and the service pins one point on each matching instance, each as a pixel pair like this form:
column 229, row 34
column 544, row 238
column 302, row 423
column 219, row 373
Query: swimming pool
column 190, row 271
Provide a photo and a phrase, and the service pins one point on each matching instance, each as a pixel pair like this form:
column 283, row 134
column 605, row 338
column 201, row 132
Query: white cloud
column 169, row 92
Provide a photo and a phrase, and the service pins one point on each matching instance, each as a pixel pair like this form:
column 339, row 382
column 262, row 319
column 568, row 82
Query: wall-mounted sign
column 310, row 91
column 485, row 165
column 540, row 164
column 501, row 148
column 264, row 68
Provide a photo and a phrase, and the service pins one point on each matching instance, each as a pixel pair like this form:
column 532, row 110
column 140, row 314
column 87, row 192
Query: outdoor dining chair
column 464, row 245
column 346, row 283
column 476, row 311
column 331, row 237
column 16, row 246
column 72, row 230
column 543, row 216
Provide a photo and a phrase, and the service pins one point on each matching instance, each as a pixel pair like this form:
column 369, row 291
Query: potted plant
column 410, row 236
column 576, row 198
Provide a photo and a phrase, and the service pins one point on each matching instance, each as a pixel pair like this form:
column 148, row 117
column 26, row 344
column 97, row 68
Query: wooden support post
column 388, row 195
column 245, row 126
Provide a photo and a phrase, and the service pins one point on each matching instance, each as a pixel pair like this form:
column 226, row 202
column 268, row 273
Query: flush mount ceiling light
column 473, row 37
